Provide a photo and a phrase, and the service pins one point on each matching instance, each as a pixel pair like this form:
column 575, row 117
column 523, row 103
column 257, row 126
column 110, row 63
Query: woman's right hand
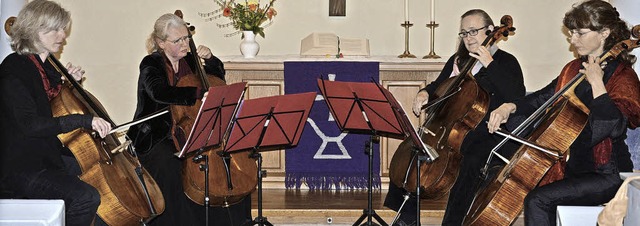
column 420, row 100
column 500, row 116
column 101, row 126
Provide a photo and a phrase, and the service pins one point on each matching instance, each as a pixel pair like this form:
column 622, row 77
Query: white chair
column 31, row 212
column 633, row 205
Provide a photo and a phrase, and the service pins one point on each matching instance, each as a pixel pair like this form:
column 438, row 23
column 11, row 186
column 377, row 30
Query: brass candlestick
column 432, row 55
column 406, row 53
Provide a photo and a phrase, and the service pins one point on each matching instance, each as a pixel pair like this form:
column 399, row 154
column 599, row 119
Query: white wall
column 8, row 8
column 107, row 37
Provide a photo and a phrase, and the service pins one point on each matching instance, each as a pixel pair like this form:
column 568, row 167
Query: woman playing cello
column 498, row 73
column 160, row 71
column 612, row 96
column 32, row 160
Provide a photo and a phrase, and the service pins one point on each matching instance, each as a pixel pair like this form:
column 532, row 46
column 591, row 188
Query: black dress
column 504, row 82
column 155, row 147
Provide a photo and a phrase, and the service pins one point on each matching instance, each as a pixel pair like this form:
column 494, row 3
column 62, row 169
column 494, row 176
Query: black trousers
column 582, row 190
column 166, row 169
column 81, row 200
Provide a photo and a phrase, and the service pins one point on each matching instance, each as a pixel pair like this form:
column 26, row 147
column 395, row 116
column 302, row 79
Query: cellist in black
column 31, row 156
column 498, row 73
column 169, row 59
column 612, row 96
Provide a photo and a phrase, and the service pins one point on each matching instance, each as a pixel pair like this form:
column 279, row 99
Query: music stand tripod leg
column 369, row 213
column 204, row 167
column 259, row 220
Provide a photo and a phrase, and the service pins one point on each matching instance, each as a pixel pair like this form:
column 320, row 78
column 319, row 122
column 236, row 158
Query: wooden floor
column 303, row 207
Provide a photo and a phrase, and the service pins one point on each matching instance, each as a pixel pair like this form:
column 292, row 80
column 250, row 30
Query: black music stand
column 211, row 126
column 364, row 108
column 266, row 124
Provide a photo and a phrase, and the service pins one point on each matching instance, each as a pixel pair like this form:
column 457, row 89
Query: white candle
column 406, row 10
column 433, row 10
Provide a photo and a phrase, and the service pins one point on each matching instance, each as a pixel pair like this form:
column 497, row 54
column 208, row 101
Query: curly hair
column 597, row 15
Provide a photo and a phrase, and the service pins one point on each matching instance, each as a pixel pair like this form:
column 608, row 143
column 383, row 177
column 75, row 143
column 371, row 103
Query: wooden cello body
column 128, row 195
column 231, row 177
column 563, row 119
column 464, row 111
column 502, row 200
column 448, row 121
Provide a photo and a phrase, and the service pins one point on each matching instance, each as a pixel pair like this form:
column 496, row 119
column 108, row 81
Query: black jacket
column 155, row 93
column 28, row 129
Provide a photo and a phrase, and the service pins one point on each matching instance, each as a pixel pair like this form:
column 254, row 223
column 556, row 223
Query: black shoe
column 400, row 222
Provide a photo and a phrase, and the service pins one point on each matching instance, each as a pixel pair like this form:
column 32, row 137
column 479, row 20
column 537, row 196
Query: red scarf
column 620, row 88
column 173, row 76
column 52, row 92
column 624, row 90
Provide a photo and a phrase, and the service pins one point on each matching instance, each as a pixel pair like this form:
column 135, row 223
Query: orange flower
column 271, row 13
column 253, row 7
column 226, row 12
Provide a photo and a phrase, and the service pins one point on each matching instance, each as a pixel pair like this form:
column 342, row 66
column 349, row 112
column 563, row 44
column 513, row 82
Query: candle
column 406, row 10
column 433, row 10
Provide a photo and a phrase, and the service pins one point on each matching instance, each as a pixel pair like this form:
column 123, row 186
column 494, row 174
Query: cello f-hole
column 443, row 132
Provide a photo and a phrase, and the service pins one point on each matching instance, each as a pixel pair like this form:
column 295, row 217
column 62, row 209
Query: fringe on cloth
column 328, row 182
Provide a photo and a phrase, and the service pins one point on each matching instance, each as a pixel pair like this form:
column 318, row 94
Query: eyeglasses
column 578, row 33
column 472, row 32
column 175, row 42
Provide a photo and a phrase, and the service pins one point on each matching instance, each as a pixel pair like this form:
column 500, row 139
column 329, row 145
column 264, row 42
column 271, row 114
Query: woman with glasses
column 612, row 95
column 168, row 61
column 498, row 73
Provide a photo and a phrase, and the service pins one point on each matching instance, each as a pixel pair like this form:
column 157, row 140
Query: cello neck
column 83, row 94
column 200, row 72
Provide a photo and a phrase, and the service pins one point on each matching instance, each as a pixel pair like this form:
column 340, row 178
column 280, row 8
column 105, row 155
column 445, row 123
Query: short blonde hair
column 37, row 16
column 160, row 28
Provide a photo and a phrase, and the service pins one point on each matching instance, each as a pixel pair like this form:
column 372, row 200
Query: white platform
column 31, row 212
column 577, row 215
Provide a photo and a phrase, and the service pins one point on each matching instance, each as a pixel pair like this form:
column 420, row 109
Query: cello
column 234, row 175
column 559, row 122
column 128, row 195
column 458, row 107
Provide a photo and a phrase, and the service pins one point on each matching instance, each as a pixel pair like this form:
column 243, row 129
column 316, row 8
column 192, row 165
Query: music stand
column 211, row 126
column 421, row 151
column 265, row 124
column 363, row 108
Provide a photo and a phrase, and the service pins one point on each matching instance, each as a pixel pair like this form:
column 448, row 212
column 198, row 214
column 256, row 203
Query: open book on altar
column 322, row 44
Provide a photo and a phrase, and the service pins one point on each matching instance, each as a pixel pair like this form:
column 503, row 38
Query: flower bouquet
column 245, row 15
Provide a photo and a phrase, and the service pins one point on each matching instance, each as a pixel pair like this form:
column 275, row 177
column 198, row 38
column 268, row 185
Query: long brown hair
column 597, row 15
column 463, row 53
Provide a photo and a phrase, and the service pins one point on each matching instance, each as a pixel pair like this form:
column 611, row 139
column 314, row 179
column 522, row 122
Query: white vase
column 249, row 47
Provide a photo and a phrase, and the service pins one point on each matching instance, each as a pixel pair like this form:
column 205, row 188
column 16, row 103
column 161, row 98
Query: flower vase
column 249, row 47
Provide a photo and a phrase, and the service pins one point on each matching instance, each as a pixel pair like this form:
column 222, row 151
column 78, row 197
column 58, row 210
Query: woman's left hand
column 204, row 52
column 75, row 71
column 593, row 73
column 483, row 55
